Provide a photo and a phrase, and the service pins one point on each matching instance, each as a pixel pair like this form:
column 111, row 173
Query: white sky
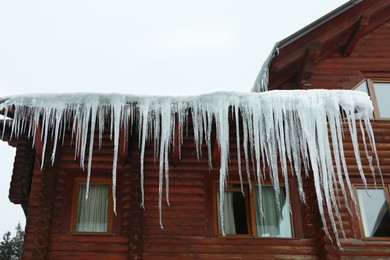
column 171, row 47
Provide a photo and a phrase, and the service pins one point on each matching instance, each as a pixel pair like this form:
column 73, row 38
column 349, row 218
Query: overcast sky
column 172, row 47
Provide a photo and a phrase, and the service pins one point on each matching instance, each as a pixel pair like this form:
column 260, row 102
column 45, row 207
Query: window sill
column 254, row 237
column 380, row 119
column 378, row 239
column 351, row 242
column 91, row 234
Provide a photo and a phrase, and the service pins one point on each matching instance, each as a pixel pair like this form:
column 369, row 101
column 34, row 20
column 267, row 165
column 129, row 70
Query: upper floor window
column 242, row 213
column 93, row 214
column 379, row 91
column 374, row 212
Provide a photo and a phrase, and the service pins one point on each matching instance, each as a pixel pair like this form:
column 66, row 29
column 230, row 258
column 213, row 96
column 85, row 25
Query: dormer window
column 379, row 91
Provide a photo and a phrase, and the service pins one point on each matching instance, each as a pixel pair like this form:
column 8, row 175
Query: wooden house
column 347, row 49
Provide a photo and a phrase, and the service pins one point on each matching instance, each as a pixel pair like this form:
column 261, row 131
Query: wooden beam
column 289, row 55
column 309, row 64
column 357, row 33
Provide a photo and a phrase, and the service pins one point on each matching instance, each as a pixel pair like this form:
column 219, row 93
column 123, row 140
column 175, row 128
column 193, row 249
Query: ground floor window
column 374, row 211
column 243, row 215
column 93, row 214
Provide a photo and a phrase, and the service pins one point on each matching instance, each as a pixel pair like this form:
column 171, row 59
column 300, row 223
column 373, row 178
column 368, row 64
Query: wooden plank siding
column 189, row 220
column 354, row 245
column 186, row 231
column 60, row 243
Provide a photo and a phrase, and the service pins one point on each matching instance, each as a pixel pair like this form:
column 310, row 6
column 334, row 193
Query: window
column 242, row 214
column 93, row 214
column 374, row 212
column 379, row 91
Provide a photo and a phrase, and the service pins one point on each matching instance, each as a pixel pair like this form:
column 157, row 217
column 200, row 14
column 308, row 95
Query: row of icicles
column 296, row 128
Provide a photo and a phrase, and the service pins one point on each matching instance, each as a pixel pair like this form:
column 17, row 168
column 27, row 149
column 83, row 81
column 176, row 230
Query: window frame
column 371, row 92
column 74, row 210
column 250, row 208
column 386, row 189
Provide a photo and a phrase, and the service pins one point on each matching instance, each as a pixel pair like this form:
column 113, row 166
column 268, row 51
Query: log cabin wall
column 39, row 213
column 189, row 232
column 189, row 221
column 369, row 59
column 355, row 245
column 48, row 231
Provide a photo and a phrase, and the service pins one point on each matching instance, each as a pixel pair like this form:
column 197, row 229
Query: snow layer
column 276, row 129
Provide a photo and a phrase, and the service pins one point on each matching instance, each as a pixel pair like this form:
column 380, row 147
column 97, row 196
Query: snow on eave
column 289, row 126
column 262, row 80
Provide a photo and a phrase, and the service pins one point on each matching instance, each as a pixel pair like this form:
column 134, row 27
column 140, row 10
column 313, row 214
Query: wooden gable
column 336, row 51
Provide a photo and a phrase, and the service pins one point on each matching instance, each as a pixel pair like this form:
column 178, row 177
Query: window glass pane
column 276, row 221
column 382, row 93
column 235, row 213
column 374, row 212
column 92, row 213
column 363, row 87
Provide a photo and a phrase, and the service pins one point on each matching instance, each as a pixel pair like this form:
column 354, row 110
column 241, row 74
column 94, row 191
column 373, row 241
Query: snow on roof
column 287, row 126
column 262, row 79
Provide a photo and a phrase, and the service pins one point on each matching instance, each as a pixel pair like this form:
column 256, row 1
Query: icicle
column 236, row 116
column 94, row 109
column 245, row 147
column 290, row 127
column 116, row 112
column 165, row 137
column 143, row 131
column 371, row 139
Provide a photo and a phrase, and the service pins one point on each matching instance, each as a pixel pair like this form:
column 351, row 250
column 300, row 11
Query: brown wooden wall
column 369, row 59
column 48, row 231
column 189, row 220
column 355, row 245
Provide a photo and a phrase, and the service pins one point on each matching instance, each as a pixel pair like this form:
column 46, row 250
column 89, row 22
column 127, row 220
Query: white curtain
column 228, row 211
column 92, row 213
column 275, row 222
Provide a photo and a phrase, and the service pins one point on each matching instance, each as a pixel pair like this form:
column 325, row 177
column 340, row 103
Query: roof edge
column 327, row 17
